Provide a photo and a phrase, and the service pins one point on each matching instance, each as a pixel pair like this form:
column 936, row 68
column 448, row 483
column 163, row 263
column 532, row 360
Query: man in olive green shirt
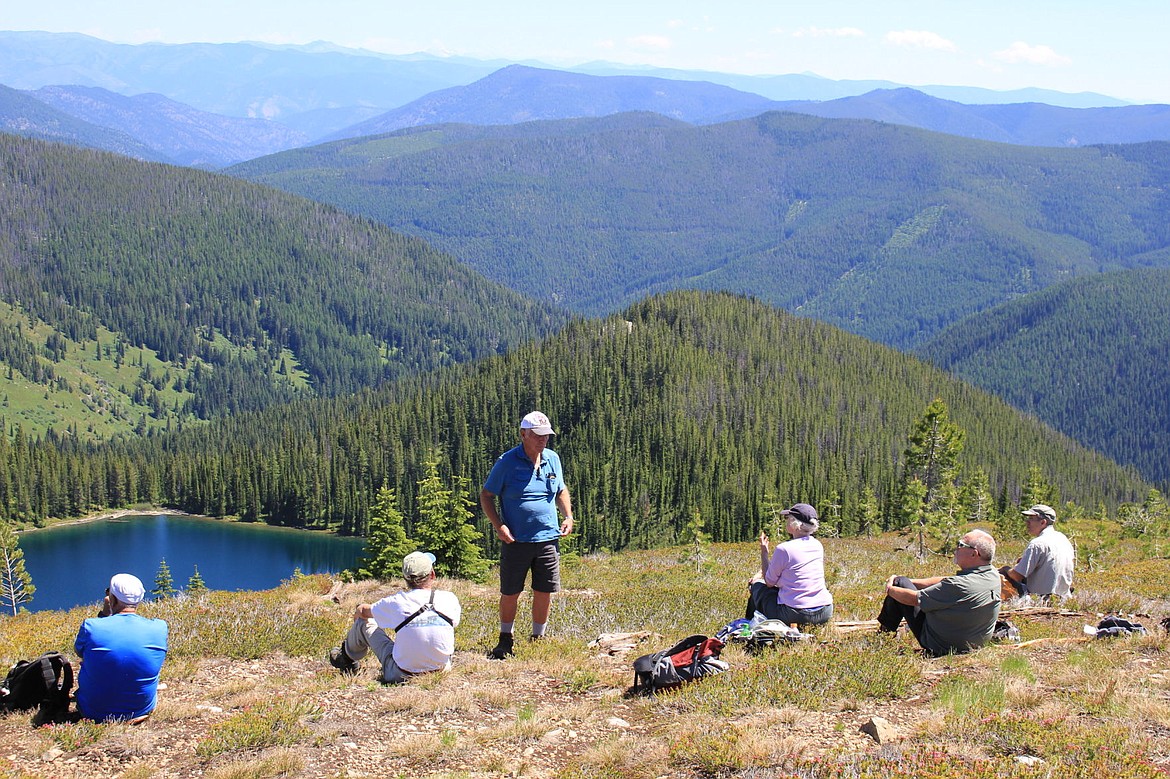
column 951, row 614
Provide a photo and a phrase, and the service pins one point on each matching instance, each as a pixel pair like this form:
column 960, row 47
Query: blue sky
column 1115, row 48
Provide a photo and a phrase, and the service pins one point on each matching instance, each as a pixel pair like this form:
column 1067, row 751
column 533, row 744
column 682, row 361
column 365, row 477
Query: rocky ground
column 557, row 709
column 463, row 723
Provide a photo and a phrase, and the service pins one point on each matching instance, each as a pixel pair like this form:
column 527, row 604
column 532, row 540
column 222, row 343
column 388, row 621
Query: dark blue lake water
column 72, row 565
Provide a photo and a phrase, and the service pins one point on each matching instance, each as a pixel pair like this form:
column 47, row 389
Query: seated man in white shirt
column 423, row 620
column 1045, row 570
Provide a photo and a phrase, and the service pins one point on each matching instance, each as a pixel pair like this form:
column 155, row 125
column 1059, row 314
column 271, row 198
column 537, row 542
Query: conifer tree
column 195, row 584
column 444, row 528
column 1037, row 489
column 932, row 460
column 913, row 510
column 386, row 543
column 1149, row 520
column 977, row 499
column 164, row 583
column 869, row 512
column 16, row 585
column 696, row 541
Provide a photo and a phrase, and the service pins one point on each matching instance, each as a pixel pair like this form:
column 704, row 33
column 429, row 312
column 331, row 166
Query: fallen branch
column 1046, row 640
column 616, row 644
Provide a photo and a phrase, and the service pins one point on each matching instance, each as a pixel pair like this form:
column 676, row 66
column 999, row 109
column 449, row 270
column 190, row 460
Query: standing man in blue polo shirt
column 521, row 497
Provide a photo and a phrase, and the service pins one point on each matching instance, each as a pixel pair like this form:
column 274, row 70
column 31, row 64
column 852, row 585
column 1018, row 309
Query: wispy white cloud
column 828, row 32
column 920, row 39
column 1020, row 52
column 653, row 42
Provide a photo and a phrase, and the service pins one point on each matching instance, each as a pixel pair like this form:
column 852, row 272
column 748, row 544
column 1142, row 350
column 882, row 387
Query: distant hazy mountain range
column 24, row 115
column 210, row 105
column 519, row 93
column 174, row 131
column 311, row 89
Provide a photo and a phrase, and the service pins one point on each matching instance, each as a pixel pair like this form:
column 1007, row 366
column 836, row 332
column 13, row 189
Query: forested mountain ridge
column 521, row 94
column 887, row 231
column 687, row 404
column 21, row 114
column 225, row 280
column 179, row 133
column 1090, row 356
column 1027, row 124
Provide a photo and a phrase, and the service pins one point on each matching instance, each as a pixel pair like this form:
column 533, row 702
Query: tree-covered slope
column 887, row 231
column 1091, row 357
column 201, row 267
column 688, row 402
column 23, row 115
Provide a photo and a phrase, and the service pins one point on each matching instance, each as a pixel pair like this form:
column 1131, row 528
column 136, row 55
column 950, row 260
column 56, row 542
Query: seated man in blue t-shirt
column 121, row 655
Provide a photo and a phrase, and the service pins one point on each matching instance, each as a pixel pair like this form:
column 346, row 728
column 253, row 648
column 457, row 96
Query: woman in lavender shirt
column 791, row 584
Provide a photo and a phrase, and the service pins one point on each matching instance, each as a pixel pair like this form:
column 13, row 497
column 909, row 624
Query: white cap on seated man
column 122, row 653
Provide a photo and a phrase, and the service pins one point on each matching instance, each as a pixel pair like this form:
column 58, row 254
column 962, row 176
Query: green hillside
column 887, row 231
column 243, row 296
column 687, row 403
column 1091, row 357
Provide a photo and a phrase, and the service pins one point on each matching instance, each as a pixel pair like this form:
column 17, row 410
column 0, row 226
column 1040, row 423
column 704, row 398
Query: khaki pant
column 365, row 635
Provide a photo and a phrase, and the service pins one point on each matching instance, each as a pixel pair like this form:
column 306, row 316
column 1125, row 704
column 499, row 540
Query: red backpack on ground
column 689, row 659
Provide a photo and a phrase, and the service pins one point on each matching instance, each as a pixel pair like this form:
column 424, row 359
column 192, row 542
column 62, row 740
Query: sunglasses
column 965, row 545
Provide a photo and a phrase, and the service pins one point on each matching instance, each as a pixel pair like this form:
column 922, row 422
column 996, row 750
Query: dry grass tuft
column 276, row 763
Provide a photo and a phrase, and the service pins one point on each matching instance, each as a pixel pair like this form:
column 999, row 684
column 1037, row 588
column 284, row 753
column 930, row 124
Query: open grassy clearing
column 249, row 694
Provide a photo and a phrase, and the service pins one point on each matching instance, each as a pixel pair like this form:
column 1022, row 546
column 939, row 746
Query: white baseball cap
column 127, row 588
column 537, row 423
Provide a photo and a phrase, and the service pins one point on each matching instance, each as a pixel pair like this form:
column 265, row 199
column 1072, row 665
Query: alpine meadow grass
column 262, row 701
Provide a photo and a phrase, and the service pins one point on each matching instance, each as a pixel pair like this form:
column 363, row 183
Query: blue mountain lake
column 71, row 565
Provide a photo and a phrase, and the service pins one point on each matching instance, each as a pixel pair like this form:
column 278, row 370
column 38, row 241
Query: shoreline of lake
column 52, row 522
column 228, row 555
column 155, row 511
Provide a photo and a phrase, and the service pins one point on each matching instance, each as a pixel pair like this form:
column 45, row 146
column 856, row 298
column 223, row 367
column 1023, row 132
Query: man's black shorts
column 543, row 558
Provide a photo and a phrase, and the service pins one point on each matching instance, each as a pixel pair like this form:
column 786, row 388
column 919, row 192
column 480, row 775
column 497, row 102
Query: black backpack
column 43, row 684
column 691, row 658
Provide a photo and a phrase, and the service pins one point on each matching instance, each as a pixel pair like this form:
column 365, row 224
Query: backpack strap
column 428, row 606
column 698, row 658
column 49, row 675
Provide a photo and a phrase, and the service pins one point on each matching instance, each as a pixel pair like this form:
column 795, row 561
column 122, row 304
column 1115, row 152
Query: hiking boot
column 503, row 648
column 341, row 661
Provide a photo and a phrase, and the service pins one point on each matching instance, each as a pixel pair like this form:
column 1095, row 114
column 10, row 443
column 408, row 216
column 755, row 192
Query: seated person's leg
column 789, row 615
column 762, row 598
column 893, row 612
column 364, row 635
